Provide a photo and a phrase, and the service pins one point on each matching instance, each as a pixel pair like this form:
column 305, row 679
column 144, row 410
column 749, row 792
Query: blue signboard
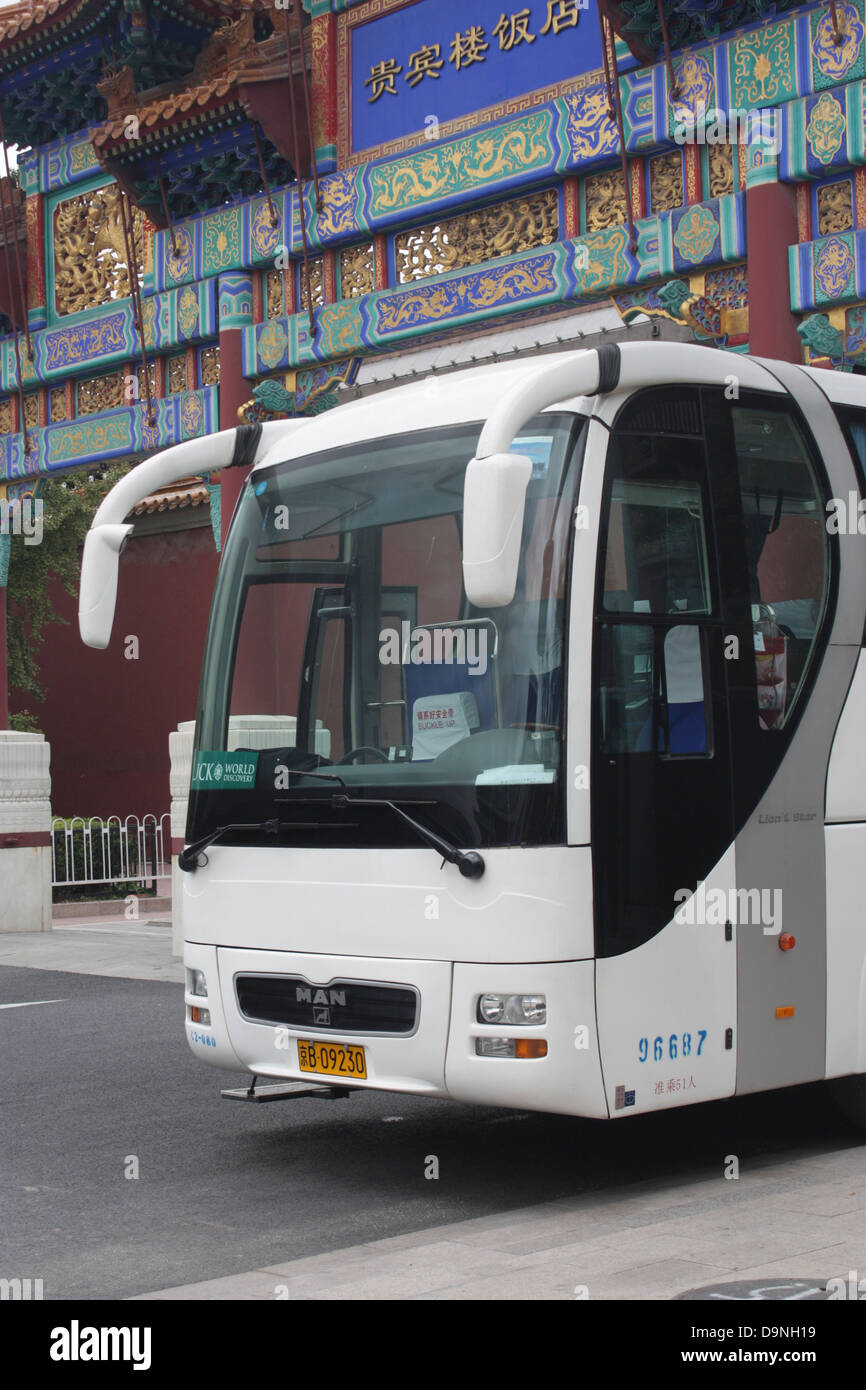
column 429, row 61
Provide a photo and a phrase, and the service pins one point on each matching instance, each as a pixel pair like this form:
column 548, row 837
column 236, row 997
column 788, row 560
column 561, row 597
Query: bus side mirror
column 98, row 592
column 494, row 497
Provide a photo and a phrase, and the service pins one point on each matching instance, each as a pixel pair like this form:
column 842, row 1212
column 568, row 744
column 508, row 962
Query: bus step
column 287, row 1090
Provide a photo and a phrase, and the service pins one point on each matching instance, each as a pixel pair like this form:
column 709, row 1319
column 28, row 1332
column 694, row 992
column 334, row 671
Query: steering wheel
column 362, row 748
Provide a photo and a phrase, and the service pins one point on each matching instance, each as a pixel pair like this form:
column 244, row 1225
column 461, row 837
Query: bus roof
column 457, row 398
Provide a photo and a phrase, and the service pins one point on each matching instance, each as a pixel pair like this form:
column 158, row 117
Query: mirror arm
column 587, row 372
column 109, row 531
column 494, row 490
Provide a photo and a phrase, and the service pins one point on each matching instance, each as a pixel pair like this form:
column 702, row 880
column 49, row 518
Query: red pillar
column 771, row 218
column 235, row 391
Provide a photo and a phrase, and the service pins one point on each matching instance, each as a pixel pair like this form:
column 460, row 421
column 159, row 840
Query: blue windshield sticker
column 213, row 771
column 261, row 487
column 537, row 447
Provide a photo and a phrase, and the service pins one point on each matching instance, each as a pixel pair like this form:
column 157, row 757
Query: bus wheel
column 849, row 1093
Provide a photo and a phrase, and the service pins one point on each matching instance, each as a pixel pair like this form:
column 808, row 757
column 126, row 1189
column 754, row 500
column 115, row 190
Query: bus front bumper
column 439, row 1051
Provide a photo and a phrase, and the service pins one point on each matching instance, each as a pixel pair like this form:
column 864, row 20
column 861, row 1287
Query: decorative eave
column 200, row 133
column 52, row 58
column 688, row 21
column 190, row 492
column 35, row 28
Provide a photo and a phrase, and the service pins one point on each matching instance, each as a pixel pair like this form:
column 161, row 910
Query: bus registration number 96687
column 332, row 1059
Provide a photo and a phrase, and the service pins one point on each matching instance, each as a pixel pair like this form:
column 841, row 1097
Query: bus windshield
column 342, row 644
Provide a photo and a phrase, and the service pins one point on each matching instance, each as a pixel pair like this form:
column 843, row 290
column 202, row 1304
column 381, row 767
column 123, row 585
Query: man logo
column 322, row 1016
column 305, row 994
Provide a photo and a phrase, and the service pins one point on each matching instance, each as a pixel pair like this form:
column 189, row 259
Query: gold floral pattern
column 605, row 200
column 272, row 344
column 275, row 303
column 176, row 374
column 834, row 59
column 666, row 182
column 316, row 268
column 57, row 403
column 187, row 312
column 833, row 267
column 210, row 366
column 835, row 207
column 459, row 165
column 720, row 162
column 763, row 66
column 696, row 233
column 826, row 128
column 99, row 393
column 90, row 250
column 474, row 237
column 357, row 271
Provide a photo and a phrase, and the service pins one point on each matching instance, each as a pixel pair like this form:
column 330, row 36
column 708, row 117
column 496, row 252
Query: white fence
column 96, row 850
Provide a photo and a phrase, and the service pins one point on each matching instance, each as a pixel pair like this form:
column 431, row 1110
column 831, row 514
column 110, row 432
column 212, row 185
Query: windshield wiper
column 468, row 861
column 188, row 857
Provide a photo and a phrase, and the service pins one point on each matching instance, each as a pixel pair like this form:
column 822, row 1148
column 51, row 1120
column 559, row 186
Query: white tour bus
column 529, row 762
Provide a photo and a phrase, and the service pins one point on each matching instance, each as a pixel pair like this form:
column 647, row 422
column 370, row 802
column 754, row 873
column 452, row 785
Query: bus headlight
column 196, row 983
column 512, row 1008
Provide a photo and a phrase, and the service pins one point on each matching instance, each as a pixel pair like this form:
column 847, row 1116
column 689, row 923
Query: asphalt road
column 224, row 1187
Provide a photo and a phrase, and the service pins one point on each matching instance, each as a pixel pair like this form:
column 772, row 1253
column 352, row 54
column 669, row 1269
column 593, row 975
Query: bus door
column 661, row 793
column 787, row 687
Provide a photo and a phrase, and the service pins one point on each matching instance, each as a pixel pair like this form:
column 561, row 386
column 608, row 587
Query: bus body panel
column 568, row 1080
column 781, row 851
column 665, row 1008
column 846, row 950
column 845, row 842
column 783, row 995
column 396, row 903
column 846, row 774
column 210, row 1043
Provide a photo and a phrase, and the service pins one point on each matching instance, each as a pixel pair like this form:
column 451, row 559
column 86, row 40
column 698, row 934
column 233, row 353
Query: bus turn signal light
column 785, row 1011
column 787, row 942
column 510, row 1047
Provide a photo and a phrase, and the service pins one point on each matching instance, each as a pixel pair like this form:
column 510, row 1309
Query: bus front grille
column 342, row 1006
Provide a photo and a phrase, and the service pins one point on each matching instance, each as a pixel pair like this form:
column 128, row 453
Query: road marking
column 29, row 1003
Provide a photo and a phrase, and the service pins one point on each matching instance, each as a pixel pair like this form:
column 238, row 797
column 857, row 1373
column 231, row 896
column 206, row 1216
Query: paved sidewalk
column 780, row 1220
column 98, row 946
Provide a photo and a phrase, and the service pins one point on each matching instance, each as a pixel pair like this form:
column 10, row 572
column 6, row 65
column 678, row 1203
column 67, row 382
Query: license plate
column 332, row 1059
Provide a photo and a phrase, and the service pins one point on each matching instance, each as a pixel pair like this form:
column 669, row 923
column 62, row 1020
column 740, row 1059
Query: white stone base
column 25, row 809
column 25, row 889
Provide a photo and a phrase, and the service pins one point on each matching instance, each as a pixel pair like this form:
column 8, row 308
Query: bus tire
column 849, row 1092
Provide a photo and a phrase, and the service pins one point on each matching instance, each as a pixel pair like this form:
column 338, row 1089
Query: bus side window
column 787, row 547
column 653, row 679
column 655, row 577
